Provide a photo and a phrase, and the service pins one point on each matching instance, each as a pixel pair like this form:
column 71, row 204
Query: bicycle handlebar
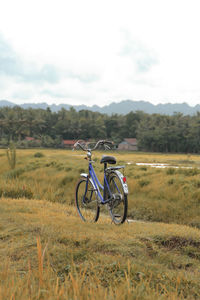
column 100, row 142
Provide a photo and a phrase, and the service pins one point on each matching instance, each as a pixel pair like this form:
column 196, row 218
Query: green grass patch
column 16, row 192
column 168, row 195
column 39, row 154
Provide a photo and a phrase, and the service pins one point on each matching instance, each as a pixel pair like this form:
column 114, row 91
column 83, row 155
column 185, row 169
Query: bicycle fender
column 85, row 175
column 124, row 184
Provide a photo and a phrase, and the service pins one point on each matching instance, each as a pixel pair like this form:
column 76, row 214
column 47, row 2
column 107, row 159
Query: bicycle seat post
column 105, row 188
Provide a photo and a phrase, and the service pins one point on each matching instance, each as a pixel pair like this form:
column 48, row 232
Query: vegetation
column 162, row 195
column 49, row 253
column 158, row 133
column 11, row 155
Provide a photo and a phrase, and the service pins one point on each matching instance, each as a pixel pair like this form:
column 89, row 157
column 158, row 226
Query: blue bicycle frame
column 113, row 191
column 98, row 185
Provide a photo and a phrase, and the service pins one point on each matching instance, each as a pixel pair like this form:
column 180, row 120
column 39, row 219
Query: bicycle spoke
column 86, row 202
column 118, row 205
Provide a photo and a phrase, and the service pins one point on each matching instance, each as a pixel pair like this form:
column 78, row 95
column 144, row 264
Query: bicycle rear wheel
column 86, row 201
column 118, row 206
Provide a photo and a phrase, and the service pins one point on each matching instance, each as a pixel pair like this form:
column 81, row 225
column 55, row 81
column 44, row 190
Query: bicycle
column 114, row 189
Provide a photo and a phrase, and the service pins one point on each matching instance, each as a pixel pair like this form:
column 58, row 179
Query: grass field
column 168, row 195
column 47, row 252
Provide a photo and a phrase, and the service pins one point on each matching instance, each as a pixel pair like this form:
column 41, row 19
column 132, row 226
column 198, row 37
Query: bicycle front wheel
column 118, row 206
column 86, row 201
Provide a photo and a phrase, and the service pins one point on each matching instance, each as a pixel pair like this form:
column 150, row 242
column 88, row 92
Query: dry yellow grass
column 154, row 194
column 47, row 252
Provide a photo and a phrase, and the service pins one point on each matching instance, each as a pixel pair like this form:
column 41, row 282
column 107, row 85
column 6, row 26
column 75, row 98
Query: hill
column 123, row 107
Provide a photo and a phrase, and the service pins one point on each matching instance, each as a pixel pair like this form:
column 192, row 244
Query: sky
column 100, row 51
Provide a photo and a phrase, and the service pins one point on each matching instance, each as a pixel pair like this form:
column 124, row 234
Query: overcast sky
column 98, row 52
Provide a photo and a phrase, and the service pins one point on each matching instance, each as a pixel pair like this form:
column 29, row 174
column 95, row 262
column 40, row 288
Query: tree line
column 154, row 132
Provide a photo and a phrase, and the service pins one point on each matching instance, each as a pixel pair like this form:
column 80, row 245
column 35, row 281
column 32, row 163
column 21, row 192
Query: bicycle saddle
column 108, row 159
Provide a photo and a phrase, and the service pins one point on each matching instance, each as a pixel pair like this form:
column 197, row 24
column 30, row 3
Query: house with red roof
column 128, row 144
column 29, row 138
column 68, row 143
column 32, row 140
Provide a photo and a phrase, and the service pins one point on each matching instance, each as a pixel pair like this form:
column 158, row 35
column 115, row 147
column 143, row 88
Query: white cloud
column 100, row 51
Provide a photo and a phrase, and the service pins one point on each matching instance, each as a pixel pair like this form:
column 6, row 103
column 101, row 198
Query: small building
column 29, row 138
column 68, row 143
column 129, row 144
column 32, row 140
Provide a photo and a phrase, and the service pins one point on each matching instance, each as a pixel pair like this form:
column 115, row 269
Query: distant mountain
column 123, row 107
column 6, row 103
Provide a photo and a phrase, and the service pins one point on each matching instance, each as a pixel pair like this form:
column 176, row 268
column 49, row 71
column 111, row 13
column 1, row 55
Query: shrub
column 195, row 223
column 66, row 179
column 197, row 183
column 143, row 168
column 189, row 172
column 60, row 168
column 171, row 181
column 13, row 174
column 170, row 171
column 51, row 164
column 143, row 183
column 68, row 169
column 38, row 154
column 17, row 192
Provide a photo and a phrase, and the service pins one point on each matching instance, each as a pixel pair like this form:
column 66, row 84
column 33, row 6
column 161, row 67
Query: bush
column 66, row 179
column 143, row 182
column 38, row 154
column 23, row 192
column 196, row 183
column 13, row 174
column 195, row 223
column 67, row 169
column 143, row 169
column 51, row 164
column 170, row 171
column 171, row 181
column 189, row 172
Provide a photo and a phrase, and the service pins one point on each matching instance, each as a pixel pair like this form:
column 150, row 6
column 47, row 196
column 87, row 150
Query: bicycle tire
column 88, row 207
column 118, row 206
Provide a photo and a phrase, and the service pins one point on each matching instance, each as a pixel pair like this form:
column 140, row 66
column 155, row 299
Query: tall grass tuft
column 16, row 192
column 40, row 259
column 11, row 155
